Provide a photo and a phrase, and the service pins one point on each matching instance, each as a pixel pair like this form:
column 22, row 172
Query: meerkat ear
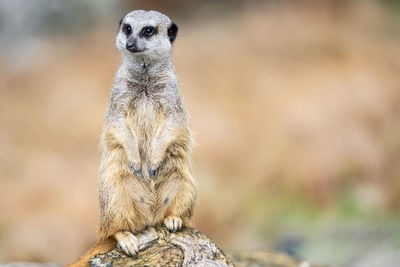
column 172, row 32
column 120, row 22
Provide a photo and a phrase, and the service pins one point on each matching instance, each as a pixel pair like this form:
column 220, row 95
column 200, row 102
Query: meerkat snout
column 131, row 45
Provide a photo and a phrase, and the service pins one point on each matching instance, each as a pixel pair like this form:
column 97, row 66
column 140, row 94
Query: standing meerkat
column 145, row 173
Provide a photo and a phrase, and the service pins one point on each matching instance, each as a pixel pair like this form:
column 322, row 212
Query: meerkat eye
column 127, row 29
column 148, row 31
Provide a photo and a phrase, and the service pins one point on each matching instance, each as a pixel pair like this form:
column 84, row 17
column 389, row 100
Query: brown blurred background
column 295, row 106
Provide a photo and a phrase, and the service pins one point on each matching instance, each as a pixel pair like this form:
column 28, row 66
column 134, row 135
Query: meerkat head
column 146, row 34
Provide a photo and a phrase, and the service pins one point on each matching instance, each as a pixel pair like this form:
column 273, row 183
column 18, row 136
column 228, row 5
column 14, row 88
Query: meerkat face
column 146, row 33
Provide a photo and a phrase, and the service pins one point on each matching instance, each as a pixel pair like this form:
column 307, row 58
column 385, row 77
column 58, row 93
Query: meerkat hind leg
column 127, row 242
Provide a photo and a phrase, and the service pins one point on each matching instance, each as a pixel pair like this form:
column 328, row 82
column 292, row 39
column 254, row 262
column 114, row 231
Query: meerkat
column 145, row 174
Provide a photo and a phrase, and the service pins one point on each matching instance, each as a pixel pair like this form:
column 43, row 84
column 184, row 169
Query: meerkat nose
column 131, row 46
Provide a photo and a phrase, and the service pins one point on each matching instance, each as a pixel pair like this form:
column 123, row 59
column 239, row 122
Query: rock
column 158, row 247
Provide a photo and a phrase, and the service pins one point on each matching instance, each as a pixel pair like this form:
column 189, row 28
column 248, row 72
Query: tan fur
column 145, row 130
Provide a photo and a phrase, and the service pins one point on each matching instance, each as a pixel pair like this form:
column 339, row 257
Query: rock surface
column 158, row 247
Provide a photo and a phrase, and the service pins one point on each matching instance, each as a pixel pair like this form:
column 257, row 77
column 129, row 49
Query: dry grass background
column 295, row 110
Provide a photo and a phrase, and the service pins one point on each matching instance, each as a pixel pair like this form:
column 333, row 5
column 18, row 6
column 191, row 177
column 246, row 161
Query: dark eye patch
column 148, row 31
column 127, row 29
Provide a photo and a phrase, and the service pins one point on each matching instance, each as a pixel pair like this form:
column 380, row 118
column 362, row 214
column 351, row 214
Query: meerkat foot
column 173, row 223
column 127, row 242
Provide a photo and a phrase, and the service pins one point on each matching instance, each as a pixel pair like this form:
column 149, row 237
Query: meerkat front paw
column 127, row 242
column 173, row 223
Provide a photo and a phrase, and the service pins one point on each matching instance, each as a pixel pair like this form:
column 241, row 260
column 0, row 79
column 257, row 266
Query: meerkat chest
column 145, row 116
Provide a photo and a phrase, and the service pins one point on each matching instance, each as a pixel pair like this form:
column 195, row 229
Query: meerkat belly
column 133, row 204
column 142, row 203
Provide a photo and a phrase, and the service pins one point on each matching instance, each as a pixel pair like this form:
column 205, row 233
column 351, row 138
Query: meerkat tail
column 102, row 247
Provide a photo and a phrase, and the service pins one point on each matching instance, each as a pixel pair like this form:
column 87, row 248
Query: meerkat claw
column 137, row 171
column 173, row 223
column 153, row 172
column 124, row 249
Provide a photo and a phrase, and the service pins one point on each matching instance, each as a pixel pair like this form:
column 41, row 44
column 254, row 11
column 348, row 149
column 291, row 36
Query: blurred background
column 295, row 106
